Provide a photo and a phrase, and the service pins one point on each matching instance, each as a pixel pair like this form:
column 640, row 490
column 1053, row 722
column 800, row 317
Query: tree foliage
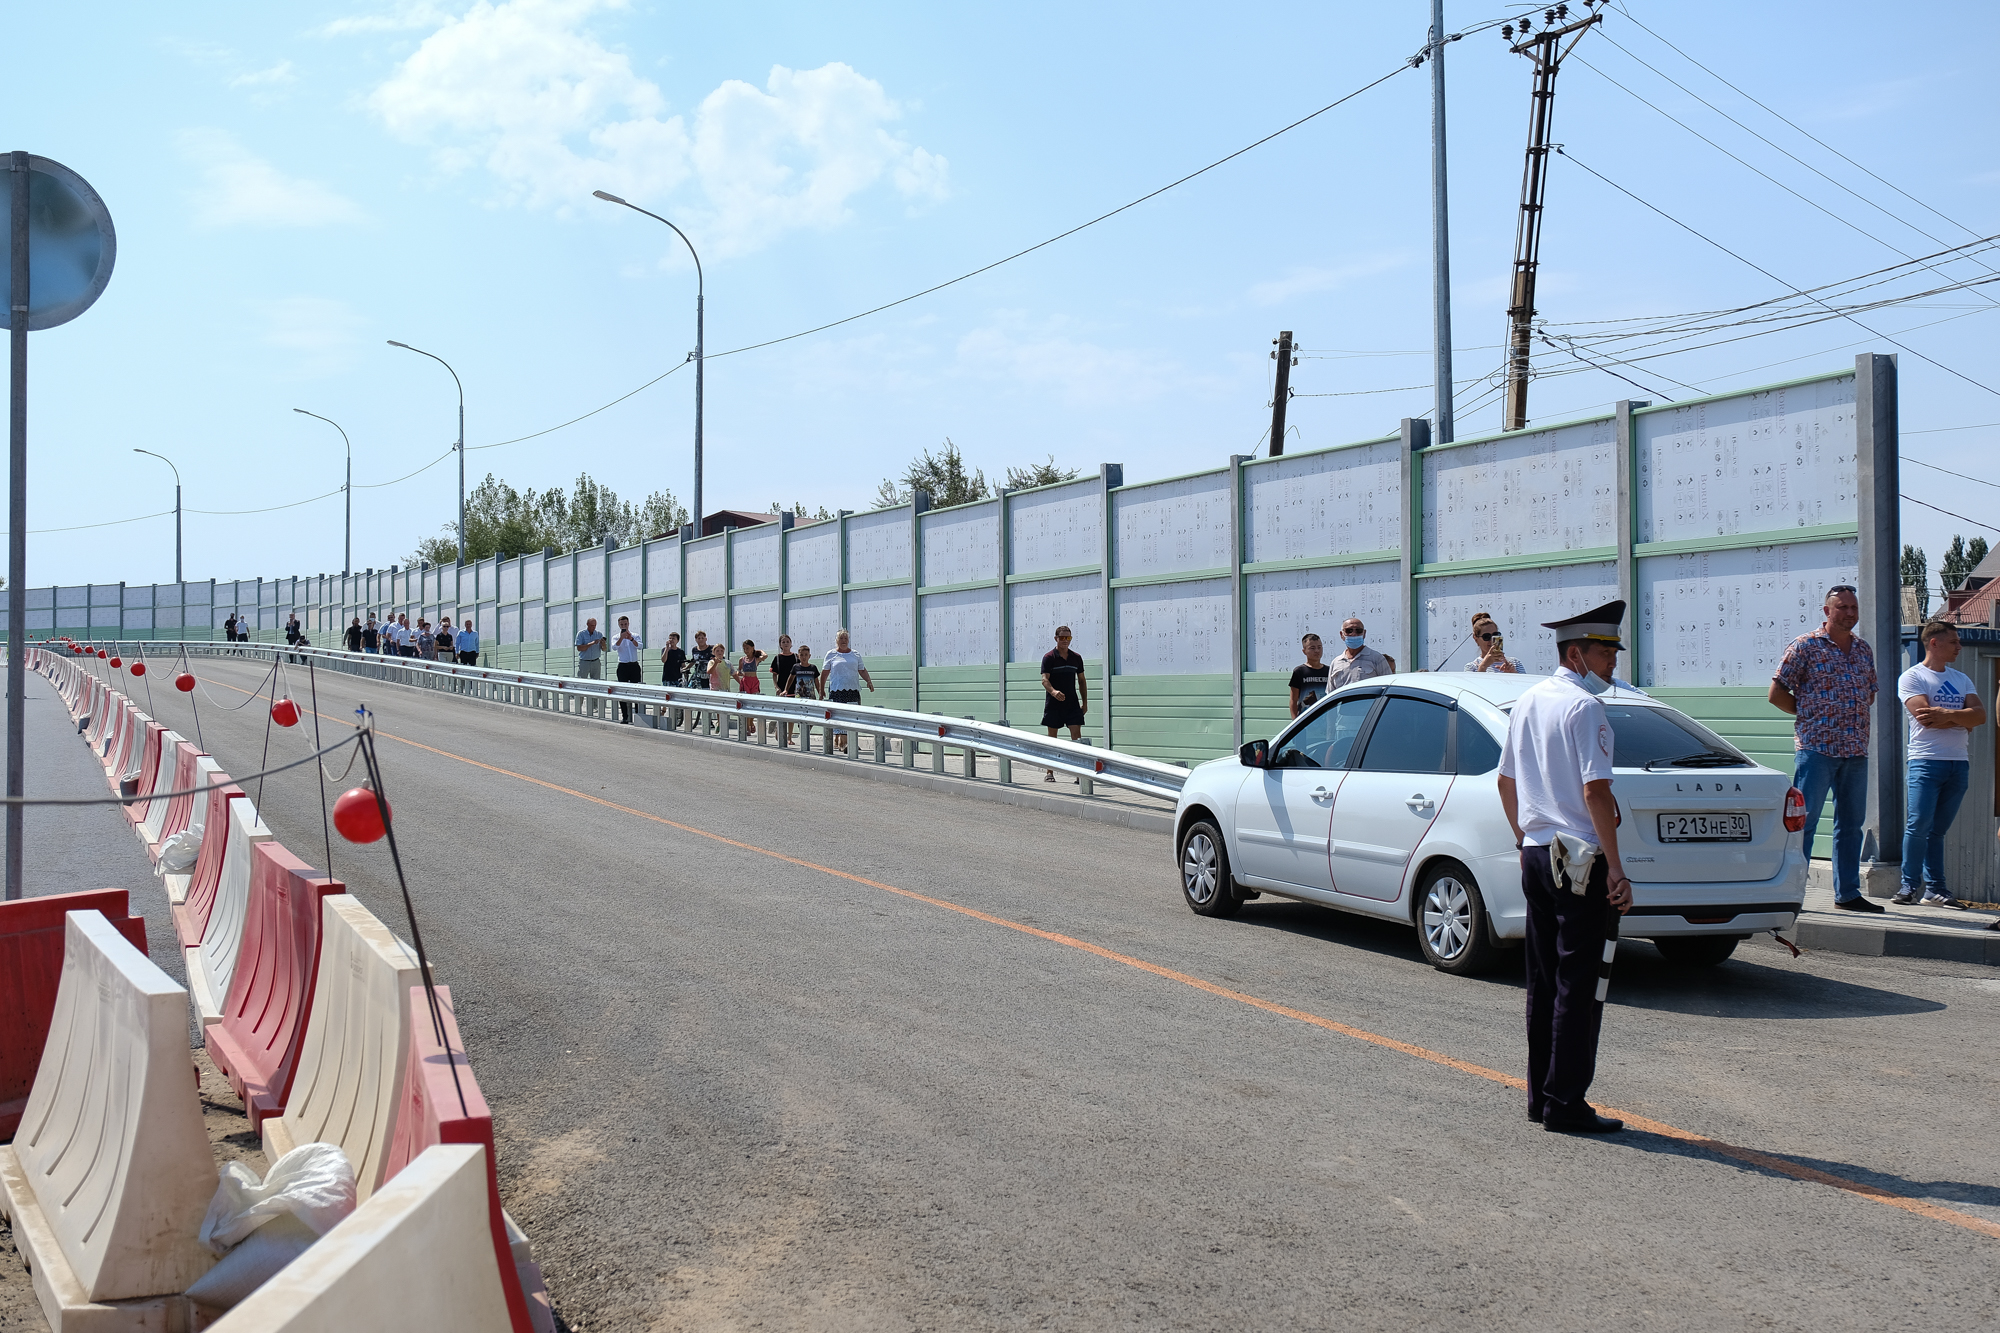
column 944, row 477
column 1040, row 474
column 1915, row 568
column 1960, row 559
column 502, row 520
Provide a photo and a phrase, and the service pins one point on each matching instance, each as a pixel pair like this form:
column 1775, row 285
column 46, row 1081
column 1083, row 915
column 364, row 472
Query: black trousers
column 1565, row 946
column 629, row 673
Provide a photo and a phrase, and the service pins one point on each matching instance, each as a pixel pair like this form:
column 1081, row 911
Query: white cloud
column 1048, row 357
column 1304, row 281
column 320, row 333
column 406, row 18
column 239, row 188
column 275, row 77
column 523, row 89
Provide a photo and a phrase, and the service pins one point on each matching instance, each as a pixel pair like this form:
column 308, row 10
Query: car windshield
column 1649, row 737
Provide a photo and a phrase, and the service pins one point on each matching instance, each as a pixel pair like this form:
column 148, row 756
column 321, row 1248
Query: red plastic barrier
column 31, row 958
column 442, row 1104
column 264, row 1019
column 180, row 809
column 149, row 770
column 191, row 915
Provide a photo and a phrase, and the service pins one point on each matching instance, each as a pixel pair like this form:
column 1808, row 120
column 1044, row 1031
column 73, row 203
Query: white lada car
column 1383, row 800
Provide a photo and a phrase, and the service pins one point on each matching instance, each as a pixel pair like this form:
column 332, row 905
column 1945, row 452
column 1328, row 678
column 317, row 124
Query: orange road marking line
column 1749, row 1156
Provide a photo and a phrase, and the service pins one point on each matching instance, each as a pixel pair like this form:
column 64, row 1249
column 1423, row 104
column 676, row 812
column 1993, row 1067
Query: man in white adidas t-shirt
column 1943, row 710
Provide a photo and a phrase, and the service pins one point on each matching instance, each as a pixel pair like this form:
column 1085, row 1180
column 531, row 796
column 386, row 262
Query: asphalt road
column 742, row 1077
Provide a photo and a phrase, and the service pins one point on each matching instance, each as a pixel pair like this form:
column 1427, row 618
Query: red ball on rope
column 184, row 682
column 117, row 662
column 138, row 668
column 102, row 653
column 285, row 713
column 358, row 815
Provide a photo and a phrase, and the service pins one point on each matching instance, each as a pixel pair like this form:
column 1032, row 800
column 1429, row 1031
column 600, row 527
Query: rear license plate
column 1732, row 827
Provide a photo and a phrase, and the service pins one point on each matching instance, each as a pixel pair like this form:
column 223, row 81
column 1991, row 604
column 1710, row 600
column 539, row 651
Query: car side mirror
column 1255, row 754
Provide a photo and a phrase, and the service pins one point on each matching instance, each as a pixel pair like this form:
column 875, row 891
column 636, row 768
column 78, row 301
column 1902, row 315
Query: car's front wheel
column 1696, row 950
column 1451, row 920
column 1205, row 881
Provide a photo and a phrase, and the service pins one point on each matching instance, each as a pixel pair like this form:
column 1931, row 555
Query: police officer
column 1555, row 785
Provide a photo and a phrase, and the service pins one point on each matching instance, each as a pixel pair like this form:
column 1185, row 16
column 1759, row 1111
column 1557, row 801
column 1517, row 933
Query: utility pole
column 1440, row 234
column 1285, row 361
column 1546, row 50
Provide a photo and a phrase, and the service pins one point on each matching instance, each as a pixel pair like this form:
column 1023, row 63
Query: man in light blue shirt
column 590, row 651
column 467, row 644
column 627, row 647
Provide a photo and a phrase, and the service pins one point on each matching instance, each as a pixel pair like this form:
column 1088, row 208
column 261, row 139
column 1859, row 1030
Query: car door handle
column 1321, row 794
column 1418, row 802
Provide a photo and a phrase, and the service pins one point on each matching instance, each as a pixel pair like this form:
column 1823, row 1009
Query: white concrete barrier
column 204, row 777
column 110, row 1172
column 417, row 1255
column 349, row 1084
column 212, row 964
column 163, row 780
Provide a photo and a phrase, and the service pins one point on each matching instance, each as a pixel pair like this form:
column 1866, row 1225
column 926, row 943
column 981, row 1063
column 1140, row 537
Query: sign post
column 60, row 251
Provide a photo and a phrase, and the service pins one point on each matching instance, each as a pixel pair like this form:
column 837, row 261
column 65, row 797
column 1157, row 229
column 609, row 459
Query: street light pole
column 1440, row 237
column 177, row 507
column 460, row 446
column 700, row 299
column 347, row 555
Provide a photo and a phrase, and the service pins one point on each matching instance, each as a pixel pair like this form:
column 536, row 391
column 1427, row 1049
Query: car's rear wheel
column 1205, row 881
column 1451, row 920
column 1696, row 950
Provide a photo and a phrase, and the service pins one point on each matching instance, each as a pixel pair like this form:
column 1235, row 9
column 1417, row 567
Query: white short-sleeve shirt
column 1949, row 688
column 1558, row 738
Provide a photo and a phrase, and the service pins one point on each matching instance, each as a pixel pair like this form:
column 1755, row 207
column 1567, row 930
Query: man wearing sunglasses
column 1827, row 682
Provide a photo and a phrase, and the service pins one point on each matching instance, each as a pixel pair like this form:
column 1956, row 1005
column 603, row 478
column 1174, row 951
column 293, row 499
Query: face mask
column 1595, row 683
column 1355, row 640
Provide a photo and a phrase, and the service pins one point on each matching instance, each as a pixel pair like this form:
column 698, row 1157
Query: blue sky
column 293, row 185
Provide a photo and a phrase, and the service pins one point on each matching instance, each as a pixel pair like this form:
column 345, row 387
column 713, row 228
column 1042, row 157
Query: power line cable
column 1794, row 125
column 1948, row 514
column 1064, row 235
column 1771, row 143
column 1811, row 203
column 1772, row 276
column 1947, row 471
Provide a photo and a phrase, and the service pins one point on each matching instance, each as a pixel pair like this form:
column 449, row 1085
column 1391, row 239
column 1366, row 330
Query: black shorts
column 844, row 696
column 1061, row 712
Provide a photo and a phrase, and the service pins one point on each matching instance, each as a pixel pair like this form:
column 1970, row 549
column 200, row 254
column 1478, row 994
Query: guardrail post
column 906, row 749
column 1004, row 765
column 971, row 755
column 937, row 751
column 881, row 748
column 1086, row 786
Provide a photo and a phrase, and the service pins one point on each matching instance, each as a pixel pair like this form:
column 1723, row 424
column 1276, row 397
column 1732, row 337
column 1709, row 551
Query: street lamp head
column 405, row 346
column 609, row 198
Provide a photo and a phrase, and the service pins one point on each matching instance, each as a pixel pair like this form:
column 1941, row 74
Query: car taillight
column 1795, row 810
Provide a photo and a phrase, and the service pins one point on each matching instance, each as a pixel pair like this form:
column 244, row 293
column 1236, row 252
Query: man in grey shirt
column 1359, row 661
column 590, row 651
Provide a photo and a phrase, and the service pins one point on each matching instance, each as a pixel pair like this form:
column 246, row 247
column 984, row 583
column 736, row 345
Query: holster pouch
column 1571, row 859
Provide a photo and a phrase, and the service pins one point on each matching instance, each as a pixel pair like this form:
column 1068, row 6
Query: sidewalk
column 1900, row 932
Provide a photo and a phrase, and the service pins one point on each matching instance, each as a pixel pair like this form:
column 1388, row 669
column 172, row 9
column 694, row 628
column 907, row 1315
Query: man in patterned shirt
column 1827, row 681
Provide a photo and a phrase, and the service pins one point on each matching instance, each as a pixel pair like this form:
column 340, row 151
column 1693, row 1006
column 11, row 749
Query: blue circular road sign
column 71, row 244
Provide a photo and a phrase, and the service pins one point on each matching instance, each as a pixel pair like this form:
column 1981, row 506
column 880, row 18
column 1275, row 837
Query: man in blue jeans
column 1944, row 708
column 1827, row 681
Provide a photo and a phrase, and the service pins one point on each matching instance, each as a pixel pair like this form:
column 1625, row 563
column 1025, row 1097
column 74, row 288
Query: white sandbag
column 179, row 853
column 313, row 1182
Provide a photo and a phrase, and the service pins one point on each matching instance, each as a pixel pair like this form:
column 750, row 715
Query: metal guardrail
column 708, row 712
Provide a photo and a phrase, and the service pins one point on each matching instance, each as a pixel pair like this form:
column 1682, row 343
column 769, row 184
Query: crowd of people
column 394, row 636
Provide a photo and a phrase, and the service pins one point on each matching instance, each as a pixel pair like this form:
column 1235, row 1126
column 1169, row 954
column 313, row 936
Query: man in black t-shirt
column 1309, row 681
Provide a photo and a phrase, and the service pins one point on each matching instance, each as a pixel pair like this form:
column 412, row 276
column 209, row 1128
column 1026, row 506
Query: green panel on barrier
column 1176, row 718
column 1743, row 715
column 960, row 691
column 1025, row 697
column 889, row 671
column 1267, row 703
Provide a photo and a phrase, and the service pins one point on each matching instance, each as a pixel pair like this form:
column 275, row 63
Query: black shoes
column 1858, row 905
column 1591, row 1124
